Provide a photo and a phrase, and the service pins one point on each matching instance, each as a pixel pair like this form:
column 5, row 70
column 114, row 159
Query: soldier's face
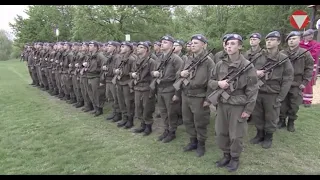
column 111, row 48
column 92, row 47
column 233, row 47
column 197, row 46
column 166, row 45
column 156, row 47
column 308, row 38
column 141, row 50
column 254, row 41
column 293, row 41
column 178, row 47
column 189, row 48
column 272, row 43
column 66, row 47
column 83, row 47
column 124, row 49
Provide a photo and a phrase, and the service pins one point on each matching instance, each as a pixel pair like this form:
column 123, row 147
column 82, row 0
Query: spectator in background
column 307, row 43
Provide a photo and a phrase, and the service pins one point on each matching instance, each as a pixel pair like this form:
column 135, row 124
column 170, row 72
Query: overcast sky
column 8, row 13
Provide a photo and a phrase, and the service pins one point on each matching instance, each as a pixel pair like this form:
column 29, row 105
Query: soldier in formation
column 265, row 85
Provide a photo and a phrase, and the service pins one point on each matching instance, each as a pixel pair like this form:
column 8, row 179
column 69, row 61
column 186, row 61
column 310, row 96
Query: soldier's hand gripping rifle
column 160, row 68
column 114, row 79
column 215, row 95
column 134, row 81
column 192, row 66
column 270, row 69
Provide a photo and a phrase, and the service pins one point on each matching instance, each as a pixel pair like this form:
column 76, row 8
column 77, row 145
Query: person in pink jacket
column 307, row 43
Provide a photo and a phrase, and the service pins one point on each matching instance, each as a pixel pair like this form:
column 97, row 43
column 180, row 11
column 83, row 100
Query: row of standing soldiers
column 253, row 85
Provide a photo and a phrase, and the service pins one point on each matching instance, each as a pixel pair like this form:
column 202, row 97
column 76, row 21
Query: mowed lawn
column 40, row 134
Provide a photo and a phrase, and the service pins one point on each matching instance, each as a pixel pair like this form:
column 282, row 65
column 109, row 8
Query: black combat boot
column 158, row 115
column 193, row 144
column 267, row 141
column 201, row 149
column 148, row 130
column 72, row 100
column 87, row 108
column 290, row 126
column 171, row 136
column 224, row 160
column 258, row 138
column 141, row 128
column 98, row 112
column 111, row 115
column 129, row 123
column 117, row 117
column 60, row 96
column 163, row 135
column 123, row 122
column 233, row 164
column 281, row 123
column 79, row 104
column 94, row 110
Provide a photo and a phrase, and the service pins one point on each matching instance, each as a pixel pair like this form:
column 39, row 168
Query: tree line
column 149, row 22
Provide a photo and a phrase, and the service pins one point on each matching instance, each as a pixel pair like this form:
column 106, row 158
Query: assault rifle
column 192, row 66
column 133, row 82
column 215, row 95
column 160, row 68
column 269, row 69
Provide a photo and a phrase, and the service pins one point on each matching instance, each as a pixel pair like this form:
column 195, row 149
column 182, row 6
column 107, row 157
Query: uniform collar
column 236, row 63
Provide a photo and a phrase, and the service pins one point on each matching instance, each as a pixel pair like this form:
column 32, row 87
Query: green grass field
column 40, row 134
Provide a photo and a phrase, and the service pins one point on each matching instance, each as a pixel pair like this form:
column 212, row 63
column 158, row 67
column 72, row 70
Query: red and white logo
column 299, row 19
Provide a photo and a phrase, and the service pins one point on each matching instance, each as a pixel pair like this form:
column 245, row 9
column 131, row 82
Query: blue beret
column 134, row 44
column 157, row 43
column 233, row 37
column 95, row 43
column 40, row 43
column 199, row 37
column 273, row 34
column 225, row 37
column 189, row 43
column 180, row 42
column 145, row 44
column 293, row 33
column 168, row 38
column 308, row 32
column 126, row 43
column 113, row 43
column 255, row 35
column 149, row 43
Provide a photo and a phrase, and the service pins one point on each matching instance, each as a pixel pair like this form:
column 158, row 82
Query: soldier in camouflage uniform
column 165, row 78
column 74, row 70
column 232, row 114
column 178, row 44
column 155, row 55
column 255, row 39
column 143, row 98
column 58, row 69
column 188, row 49
column 106, row 78
column 221, row 54
column 303, row 67
column 122, row 68
column 273, row 91
column 83, row 60
column 96, row 89
column 50, row 54
column 67, row 58
column 253, row 52
column 195, row 108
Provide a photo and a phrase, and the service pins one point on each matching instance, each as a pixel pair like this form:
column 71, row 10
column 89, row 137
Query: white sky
column 8, row 13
